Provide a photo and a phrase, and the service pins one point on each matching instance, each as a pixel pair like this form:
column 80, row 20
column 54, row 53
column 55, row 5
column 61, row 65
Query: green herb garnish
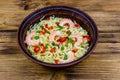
column 53, row 44
column 47, row 45
column 69, row 33
column 47, row 32
column 70, row 40
column 62, row 48
column 56, row 22
column 65, row 56
column 82, row 46
column 37, row 31
column 42, row 26
column 36, row 37
column 60, row 27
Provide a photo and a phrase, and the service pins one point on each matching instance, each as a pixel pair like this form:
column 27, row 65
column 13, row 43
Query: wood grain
column 102, row 64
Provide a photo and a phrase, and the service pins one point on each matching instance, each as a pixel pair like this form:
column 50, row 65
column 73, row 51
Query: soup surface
column 57, row 40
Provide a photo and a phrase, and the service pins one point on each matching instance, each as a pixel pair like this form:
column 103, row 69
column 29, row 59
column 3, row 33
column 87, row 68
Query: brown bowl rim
column 65, row 64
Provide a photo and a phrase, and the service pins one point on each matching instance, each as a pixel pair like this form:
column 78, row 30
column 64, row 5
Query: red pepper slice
column 43, row 48
column 74, row 50
column 53, row 49
column 50, row 28
column 43, row 31
column 87, row 37
column 77, row 25
column 61, row 39
column 48, row 18
column 46, row 25
column 56, row 61
column 36, row 49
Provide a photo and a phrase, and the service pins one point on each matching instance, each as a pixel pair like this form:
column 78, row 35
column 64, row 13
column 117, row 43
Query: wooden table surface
column 102, row 64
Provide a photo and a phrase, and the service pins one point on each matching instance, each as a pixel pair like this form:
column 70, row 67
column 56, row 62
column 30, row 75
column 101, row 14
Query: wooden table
column 103, row 63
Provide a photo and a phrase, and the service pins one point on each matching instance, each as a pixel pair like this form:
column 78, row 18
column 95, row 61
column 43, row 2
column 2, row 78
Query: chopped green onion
column 42, row 26
column 47, row 32
column 62, row 48
column 82, row 46
column 47, row 45
column 36, row 37
column 69, row 33
column 60, row 27
column 70, row 40
column 65, row 56
column 56, row 22
column 37, row 31
column 53, row 44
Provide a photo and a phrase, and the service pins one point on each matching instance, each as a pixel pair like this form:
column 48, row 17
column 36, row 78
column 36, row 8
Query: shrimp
column 52, row 36
column 29, row 41
column 79, row 39
column 70, row 57
column 64, row 21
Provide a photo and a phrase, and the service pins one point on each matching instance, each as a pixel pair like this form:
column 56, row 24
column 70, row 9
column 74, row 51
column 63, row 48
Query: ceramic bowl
column 58, row 11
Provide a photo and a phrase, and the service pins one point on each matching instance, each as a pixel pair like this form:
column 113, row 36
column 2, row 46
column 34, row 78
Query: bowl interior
column 58, row 11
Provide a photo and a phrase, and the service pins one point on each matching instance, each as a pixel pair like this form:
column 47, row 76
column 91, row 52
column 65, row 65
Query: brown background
column 103, row 63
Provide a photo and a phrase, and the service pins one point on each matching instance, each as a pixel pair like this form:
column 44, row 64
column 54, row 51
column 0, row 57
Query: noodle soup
column 57, row 40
